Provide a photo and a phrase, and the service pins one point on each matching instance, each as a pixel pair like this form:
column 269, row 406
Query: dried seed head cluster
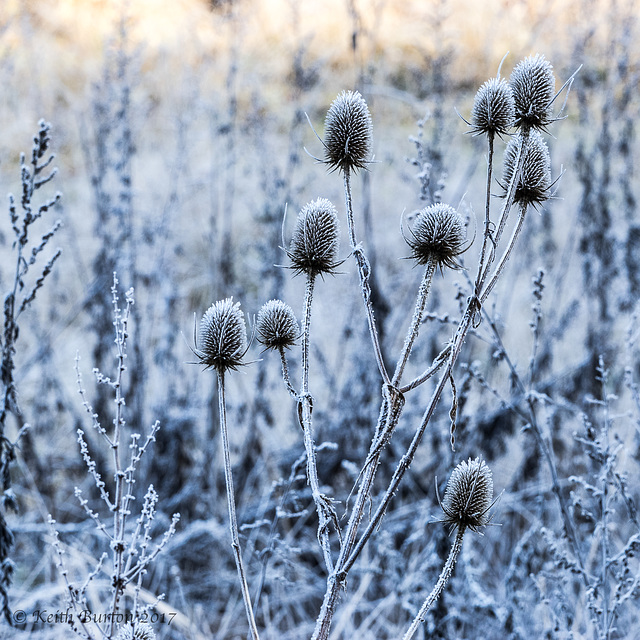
column 138, row 631
column 347, row 132
column 534, row 186
column 315, row 240
column 223, row 336
column 468, row 496
column 533, row 85
column 493, row 108
column 437, row 234
column 277, row 326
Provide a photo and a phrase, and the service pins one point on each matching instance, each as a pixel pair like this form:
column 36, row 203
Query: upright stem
column 487, row 218
column 363, row 271
column 323, row 506
column 231, row 503
column 447, row 570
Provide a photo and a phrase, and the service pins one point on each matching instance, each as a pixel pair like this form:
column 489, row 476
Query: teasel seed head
column 277, row 326
column 438, row 234
column 347, row 133
column 316, row 239
column 534, row 186
column 223, row 336
column 493, row 109
column 137, row 631
column 468, row 496
column 533, row 85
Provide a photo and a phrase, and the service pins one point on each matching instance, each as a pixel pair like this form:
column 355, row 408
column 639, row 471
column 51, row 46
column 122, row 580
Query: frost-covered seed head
column 533, row 85
column 277, row 326
column 534, row 186
column 223, row 336
column 137, row 631
column 347, row 132
column 493, row 108
column 315, row 240
column 468, row 496
column 437, row 234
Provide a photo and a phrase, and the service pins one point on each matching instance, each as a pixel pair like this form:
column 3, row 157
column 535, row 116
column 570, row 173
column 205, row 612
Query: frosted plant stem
column 231, row 503
column 447, row 570
column 285, row 373
column 118, row 544
column 487, row 213
column 484, row 268
column 364, row 270
column 506, row 255
column 323, row 506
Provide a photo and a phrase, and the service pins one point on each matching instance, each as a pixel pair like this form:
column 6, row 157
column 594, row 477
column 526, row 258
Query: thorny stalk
column 364, row 272
column 439, row 586
column 326, row 514
column 231, row 503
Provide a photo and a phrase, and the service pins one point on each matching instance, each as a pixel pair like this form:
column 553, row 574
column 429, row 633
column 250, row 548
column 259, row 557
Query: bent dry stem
column 231, row 503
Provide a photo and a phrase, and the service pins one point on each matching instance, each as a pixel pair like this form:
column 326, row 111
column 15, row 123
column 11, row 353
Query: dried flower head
column 347, row 132
column 533, row 85
column 493, row 108
column 136, row 631
column 534, row 186
column 223, row 336
column 315, row 240
column 468, row 496
column 437, row 234
column 277, row 326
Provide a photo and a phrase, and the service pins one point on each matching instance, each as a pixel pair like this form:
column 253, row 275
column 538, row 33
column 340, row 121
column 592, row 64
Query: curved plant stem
column 447, row 570
column 231, row 503
column 285, row 374
column 363, row 270
column 326, row 513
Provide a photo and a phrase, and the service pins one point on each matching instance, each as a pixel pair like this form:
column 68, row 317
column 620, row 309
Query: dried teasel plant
column 533, row 85
column 493, row 110
column 223, row 346
column 467, row 501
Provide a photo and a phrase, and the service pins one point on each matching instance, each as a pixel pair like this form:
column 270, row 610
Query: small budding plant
column 520, row 109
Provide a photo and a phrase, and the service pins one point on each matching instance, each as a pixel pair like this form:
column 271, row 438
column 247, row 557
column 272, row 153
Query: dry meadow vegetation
column 289, row 309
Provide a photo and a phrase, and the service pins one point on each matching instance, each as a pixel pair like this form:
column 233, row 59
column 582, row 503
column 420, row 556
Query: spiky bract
column 534, row 186
column 316, row 239
column 468, row 496
column 223, row 336
column 493, row 109
column 277, row 326
column 137, row 631
column 347, row 132
column 437, row 234
column 533, row 85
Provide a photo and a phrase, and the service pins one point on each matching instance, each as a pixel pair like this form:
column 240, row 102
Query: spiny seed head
column 223, row 336
column 347, row 133
column 493, row 108
column 534, row 186
column 137, row 631
column 468, row 496
column 533, row 85
column 437, row 234
column 315, row 240
column 277, row 326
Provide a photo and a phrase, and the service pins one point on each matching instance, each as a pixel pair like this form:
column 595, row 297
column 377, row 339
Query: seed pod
column 223, row 336
column 493, row 108
column 347, row 133
column 277, row 326
column 315, row 240
column 533, row 85
column 534, row 186
column 438, row 234
column 136, row 631
column 468, row 496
